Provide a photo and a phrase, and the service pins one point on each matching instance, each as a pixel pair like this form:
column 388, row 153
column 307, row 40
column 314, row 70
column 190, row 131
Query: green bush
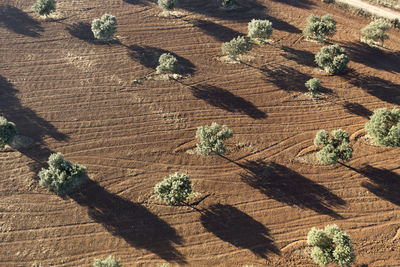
column 375, row 31
column 212, row 139
column 7, row 131
column 333, row 59
column 167, row 63
column 105, row 27
column 334, row 149
column 175, row 189
column 62, row 176
column 108, row 262
column 318, row 28
column 166, row 4
column 259, row 29
column 331, row 245
column 227, row 3
column 44, row 7
column 384, row 127
column 313, row 85
column 235, row 47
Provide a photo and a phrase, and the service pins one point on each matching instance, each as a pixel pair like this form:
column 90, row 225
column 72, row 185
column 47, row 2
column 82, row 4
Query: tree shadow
column 131, row 221
column 384, row 183
column 137, row 2
column 28, row 122
column 301, row 57
column 287, row 186
column 372, row 57
column 286, row 78
column 224, row 99
column 236, row 227
column 82, row 31
column 19, row 22
column 305, row 4
column 219, row 32
column 357, row 109
column 378, row 87
column 148, row 56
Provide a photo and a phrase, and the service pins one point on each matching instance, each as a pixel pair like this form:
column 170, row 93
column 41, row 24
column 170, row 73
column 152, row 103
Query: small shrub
column 44, row 7
column 105, row 27
column 333, row 59
column 167, row 63
column 62, row 176
column 318, row 28
column 108, row 262
column 7, row 131
column 334, row 149
column 259, row 29
column 227, row 3
column 331, row 245
column 167, row 4
column 235, row 47
column 375, row 31
column 384, row 127
column 175, row 189
column 313, row 85
column 212, row 139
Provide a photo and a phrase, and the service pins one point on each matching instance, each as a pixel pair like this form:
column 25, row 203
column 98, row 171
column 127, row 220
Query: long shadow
column 287, row 186
column 137, row 2
column 219, row 32
column 305, row 4
column 372, row 57
column 378, row 87
column 148, row 56
column 130, row 221
column 82, row 31
column 384, row 183
column 286, row 78
column 224, row 99
column 357, row 109
column 236, row 227
column 302, row 57
column 28, row 122
column 19, row 22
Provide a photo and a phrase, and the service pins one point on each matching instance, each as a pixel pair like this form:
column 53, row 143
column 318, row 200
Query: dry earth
column 77, row 96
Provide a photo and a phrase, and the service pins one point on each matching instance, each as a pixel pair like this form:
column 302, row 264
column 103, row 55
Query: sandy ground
column 380, row 11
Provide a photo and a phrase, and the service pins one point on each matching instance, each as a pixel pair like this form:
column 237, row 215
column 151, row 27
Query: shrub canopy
column 259, row 29
column 105, row 27
column 331, row 245
column 44, row 7
column 175, row 189
column 62, row 176
column 313, row 85
column 335, row 148
column 227, row 3
column 212, row 139
column 167, row 63
column 235, row 47
column 107, row 262
column 166, row 4
column 375, row 31
column 318, row 28
column 7, row 131
column 384, row 127
column 333, row 59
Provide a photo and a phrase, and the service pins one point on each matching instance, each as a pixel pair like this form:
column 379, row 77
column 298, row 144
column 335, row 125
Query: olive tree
column 110, row 261
column 62, row 176
column 331, row 245
column 384, row 127
column 44, row 7
column 105, row 27
column 211, row 139
column 167, row 63
column 313, row 85
column 235, row 47
column 375, row 32
column 259, row 29
column 166, row 4
column 333, row 149
column 7, row 131
column 319, row 28
column 333, row 59
column 175, row 189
